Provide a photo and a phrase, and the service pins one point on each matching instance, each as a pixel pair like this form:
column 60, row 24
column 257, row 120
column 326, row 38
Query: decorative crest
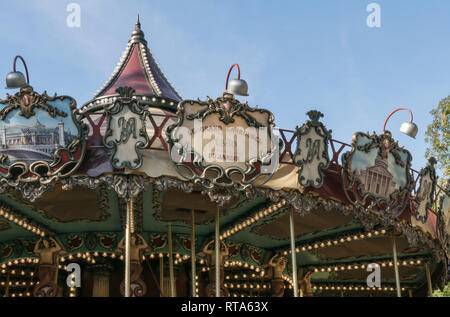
column 126, row 132
column 40, row 142
column 425, row 194
column 314, row 115
column 375, row 173
column 311, row 155
column 242, row 152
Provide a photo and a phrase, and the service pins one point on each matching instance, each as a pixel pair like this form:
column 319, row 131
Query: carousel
column 139, row 192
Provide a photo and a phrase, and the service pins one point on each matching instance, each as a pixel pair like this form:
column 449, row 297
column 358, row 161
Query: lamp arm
column 229, row 72
column 398, row 109
column 24, row 64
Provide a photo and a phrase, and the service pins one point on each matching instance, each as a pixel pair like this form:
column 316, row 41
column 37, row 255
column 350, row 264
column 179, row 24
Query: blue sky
column 295, row 55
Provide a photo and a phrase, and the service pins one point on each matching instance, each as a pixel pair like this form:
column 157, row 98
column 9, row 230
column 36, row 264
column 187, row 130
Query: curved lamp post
column 408, row 128
column 16, row 79
column 236, row 86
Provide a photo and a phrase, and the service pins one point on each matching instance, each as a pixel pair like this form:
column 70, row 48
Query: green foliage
column 438, row 136
column 445, row 292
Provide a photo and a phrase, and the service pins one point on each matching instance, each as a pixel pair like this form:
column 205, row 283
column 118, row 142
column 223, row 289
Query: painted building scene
column 100, row 196
column 34, row 142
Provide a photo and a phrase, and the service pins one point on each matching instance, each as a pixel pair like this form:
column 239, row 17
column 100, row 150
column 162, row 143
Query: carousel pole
column 397, row 275
column 217, row 249
column 128, row 246
column 193, row 269
column 430, row 287
column 172, row 280
column 7, row 285
column 161, row 275
column 293, row 253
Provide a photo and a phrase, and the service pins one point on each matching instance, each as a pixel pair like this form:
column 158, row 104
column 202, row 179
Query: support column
column 161, row 276
column 127, row 246
column 217, row 249
column 171, row 275
column 430, row 287
column 7, row 285
column 193, row 256
column 293, row 253
column 101, row 274
column 397, row 275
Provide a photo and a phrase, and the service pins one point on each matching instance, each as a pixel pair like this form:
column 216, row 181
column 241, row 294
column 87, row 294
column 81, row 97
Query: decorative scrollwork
column 425, row 194
column 222, row 171
column 311, row 154
column 68, row 149
column 27, row 100
column 374, row 180
column 126, row 133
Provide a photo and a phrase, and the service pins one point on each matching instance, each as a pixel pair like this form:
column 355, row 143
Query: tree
column 445, row 292
column 438, row 136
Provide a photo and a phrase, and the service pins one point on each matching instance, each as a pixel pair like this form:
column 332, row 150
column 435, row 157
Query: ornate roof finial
column 138, row 69
column 138, row 35
column 138, row 24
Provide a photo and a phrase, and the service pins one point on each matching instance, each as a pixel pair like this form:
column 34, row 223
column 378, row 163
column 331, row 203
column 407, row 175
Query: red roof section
column 139, row 70
column 132, row 75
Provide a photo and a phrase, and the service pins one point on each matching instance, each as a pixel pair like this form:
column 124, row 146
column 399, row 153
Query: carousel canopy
column 78, row 175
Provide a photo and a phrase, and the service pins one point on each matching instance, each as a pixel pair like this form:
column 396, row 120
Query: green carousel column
column 293, row 253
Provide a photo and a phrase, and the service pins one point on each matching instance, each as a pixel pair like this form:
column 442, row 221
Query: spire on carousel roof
column 138, row 69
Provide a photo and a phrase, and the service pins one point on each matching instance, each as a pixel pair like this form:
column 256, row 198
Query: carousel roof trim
column 138, row 68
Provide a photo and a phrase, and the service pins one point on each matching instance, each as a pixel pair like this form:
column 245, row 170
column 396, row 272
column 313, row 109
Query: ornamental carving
column 126, row 133
column 311, row 155
column 41, row 138
column 223, row 142
column 375, row 173
column 26, row 100
column 444, row 216
column 425, row 194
